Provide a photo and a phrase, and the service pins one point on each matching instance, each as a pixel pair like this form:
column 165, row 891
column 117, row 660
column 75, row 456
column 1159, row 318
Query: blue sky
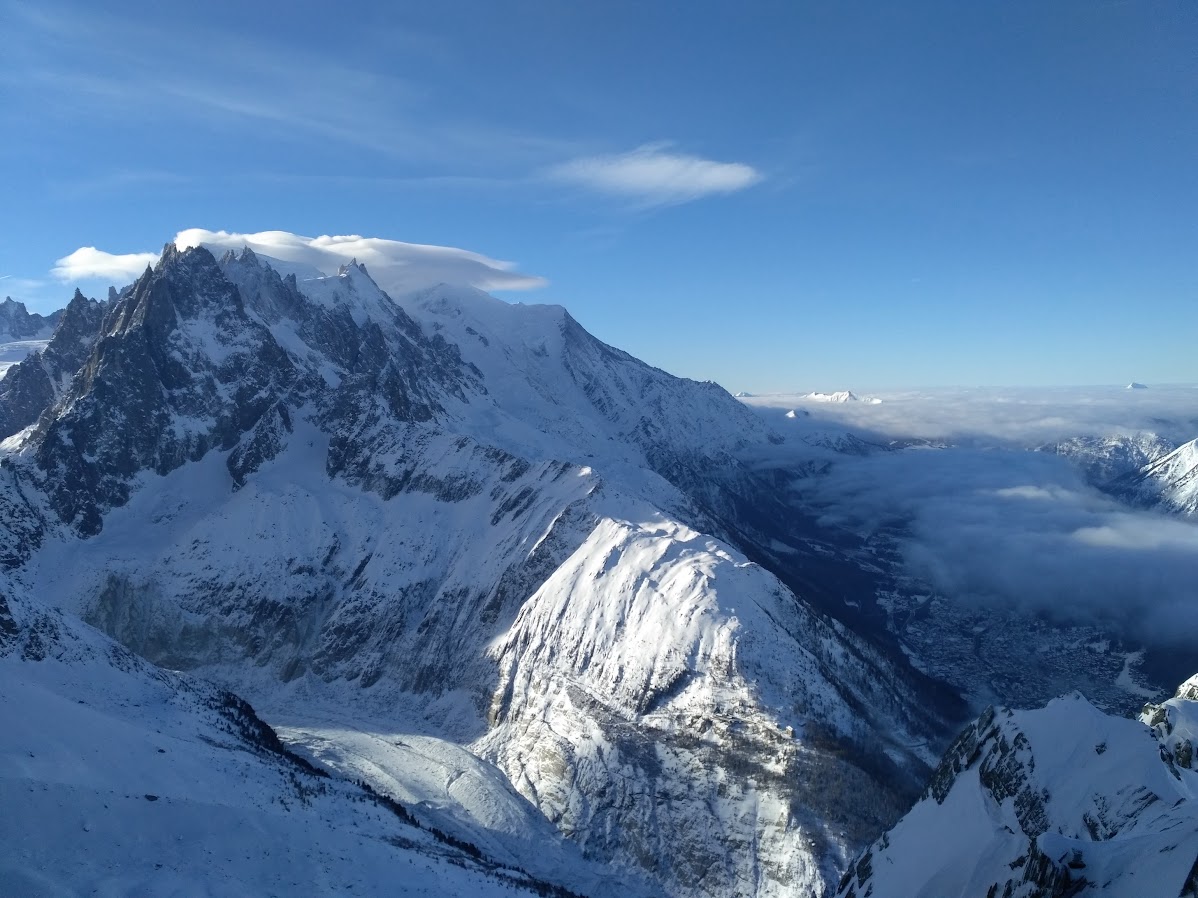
column 776, row 196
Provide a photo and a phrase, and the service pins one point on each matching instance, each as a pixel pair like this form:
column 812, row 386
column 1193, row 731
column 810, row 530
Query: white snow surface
column 646, row 626
column 1089, row 792
column 840, row 396
column 553, row 390
column 1172, row 481
column 118, row 778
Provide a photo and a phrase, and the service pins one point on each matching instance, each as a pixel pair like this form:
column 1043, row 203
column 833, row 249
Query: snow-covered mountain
column 470, row 554
column 36, row 382
column 1169, row 482
column 1061, row 801
column 22, row 332
column 1106, row 458
column 18, row 323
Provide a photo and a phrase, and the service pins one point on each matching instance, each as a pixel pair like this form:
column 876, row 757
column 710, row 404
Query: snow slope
column 1169, row 482
column 118, row 778
column 14, row 351
column 1061, row 801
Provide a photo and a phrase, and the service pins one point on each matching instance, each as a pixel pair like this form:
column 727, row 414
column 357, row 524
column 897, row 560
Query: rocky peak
column 1050, row 803
column 33, row 385
column 191, row 358
column 180, row 369
column 1188, row 690
column 18, row 322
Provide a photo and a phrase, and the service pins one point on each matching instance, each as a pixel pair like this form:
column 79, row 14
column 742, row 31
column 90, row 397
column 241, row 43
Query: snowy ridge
column 653, row 630
column 1061, row 801
column 1170, row 482
column 1106, row 459
column 838, row 396
column 556, row 390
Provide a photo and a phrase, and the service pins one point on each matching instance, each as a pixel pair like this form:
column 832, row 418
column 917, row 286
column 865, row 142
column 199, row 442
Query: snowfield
column 118, row 778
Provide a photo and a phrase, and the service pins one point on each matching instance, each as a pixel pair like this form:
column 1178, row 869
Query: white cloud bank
column 653, row 175
column 397, row 267
column 1012, row 416
column 89, row 262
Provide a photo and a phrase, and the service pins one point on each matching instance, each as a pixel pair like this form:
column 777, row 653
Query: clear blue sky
column 777, row 196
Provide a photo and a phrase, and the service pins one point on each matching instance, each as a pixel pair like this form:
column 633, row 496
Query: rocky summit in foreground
column 1058, row 802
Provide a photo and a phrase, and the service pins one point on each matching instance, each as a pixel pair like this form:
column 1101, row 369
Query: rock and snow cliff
column 22, row 333
column 1169, row 483
column 18, row 323
column 120, row 778
column 1057, row 802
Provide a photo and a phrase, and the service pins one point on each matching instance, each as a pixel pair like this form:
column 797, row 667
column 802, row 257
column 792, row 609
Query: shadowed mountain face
column 18, row 323
column 474, row 521
column 33, row 385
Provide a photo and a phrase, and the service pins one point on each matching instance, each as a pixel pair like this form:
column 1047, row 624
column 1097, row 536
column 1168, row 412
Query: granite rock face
column 18, row 323
column 33, row 385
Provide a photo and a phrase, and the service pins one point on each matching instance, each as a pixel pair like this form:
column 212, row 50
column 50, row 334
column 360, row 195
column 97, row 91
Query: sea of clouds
column 989, row 517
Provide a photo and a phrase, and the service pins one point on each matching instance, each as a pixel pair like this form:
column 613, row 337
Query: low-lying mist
column 986, row 520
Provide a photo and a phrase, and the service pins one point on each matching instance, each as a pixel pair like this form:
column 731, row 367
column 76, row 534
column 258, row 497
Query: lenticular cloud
column 89, row 262
column 397, row 267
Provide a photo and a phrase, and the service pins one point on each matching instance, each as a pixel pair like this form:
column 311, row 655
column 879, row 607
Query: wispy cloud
column 79, row 66
column 88, row 262
column 35, row 293
column 655, row 175
column 121, row 181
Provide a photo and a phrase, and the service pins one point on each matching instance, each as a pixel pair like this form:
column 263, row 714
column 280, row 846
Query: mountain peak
column 1096, row 801
column 348, row 268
